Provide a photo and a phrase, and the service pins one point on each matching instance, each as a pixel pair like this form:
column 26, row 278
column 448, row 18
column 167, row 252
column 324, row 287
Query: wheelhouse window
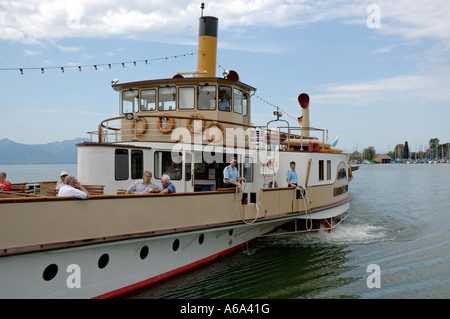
column 206, row 97
column 167, row 98
column 121, row 164
column 137, row 164
column 237, row 101
column 186, row 98
column 225, row 98
column 130, row 101
column 165, row 166
column 245, row 104
column 148, row 100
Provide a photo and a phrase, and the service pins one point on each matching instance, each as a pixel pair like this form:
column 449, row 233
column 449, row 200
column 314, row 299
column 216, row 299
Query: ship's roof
column 179, row 81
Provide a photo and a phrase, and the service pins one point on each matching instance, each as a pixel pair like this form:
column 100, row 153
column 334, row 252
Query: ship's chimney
column 207, row 46
column 303, row 99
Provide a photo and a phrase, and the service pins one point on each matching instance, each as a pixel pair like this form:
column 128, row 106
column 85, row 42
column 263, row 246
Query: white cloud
column 37, row 20
column 416, row 89
column 31, row 52
column 66, row 49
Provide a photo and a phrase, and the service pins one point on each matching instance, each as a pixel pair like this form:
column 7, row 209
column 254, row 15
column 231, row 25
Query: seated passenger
column 167, row 185
column 73, row 188
column 62, row 181
column 144, row 186
column 5, row 185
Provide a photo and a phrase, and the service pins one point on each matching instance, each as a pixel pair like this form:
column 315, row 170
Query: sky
column 377, row 72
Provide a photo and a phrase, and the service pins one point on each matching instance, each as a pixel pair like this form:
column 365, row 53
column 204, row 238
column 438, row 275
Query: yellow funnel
column 207, row 46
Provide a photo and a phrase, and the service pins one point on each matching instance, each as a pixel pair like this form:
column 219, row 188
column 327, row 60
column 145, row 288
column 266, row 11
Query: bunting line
column 96, row 66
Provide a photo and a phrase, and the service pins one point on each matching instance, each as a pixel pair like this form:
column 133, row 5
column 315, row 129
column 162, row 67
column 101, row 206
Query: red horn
column 303, row 99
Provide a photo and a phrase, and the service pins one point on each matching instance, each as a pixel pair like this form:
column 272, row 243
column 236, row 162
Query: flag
column 335, row 141
column 300, row 120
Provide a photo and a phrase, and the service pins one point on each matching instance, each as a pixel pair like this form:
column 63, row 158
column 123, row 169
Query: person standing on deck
column 291, row 176
column 231, row 174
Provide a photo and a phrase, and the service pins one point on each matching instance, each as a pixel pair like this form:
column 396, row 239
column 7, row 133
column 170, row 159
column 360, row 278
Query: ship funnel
column 207, row 46
column 303, row 99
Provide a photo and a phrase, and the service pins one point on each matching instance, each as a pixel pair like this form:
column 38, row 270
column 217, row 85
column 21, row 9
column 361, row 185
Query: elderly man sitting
column 73, row 188
column 167, row 185
column 144, row 186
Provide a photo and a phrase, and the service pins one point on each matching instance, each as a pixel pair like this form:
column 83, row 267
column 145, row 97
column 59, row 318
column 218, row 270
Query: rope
column 307, row 204
column 238, row 197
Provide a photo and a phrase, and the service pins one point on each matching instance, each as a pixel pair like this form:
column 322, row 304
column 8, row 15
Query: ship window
column 130, row 101
column 245, row 104
column 148, row 100
column 137, row 164
column 188, row 166
column 164, row 165
column 321, row 170
column 186, row 98
column 328, row 170
column 225, row 98
column 206, row 97
column 121, row 164
column 167, row 98
column 248, row 169
column 237, row 101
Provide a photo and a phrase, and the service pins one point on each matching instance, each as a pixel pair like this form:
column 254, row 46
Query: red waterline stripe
column 168, row 274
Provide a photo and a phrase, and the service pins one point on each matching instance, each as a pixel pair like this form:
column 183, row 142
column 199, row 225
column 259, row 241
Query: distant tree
column 398, row 151
column 406, row 150
column 434, row 142
column 369, row 153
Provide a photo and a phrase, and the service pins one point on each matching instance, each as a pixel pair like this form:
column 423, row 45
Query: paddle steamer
column 187, row 126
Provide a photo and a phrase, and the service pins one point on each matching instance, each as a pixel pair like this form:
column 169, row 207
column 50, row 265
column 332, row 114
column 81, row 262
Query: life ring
column 216, row 139
column 270, row 165
column 144, row 126
column 194, row 117
column 162, row 124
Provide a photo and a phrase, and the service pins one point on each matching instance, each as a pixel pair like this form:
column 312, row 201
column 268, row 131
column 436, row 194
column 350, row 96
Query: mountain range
column 64, row 152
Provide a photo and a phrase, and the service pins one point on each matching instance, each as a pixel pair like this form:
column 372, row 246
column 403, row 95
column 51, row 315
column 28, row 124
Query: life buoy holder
column 215, row 139
column 195, row 116
column 270, row 165
column 144, row 126
column 162, row 123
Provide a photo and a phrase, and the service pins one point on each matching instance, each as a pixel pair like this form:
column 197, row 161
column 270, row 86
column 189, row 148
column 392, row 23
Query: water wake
column 344, row 234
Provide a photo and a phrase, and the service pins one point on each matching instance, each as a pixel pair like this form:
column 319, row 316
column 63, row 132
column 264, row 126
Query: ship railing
column 114, row 130
column 259, row 137
column 283, row 138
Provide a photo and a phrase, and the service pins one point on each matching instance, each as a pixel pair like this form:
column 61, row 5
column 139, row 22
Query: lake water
column 399, row 221
column 25, row 173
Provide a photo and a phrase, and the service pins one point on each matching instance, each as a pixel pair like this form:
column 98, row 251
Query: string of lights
column 96, row 66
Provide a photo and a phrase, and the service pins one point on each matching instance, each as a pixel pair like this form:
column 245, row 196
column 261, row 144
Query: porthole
column 230, row 232
column 50, row 272
column 176, row 244
column 103, row 261
column 144, row 252
column 201, row 239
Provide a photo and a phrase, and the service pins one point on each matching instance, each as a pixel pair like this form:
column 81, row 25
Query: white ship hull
column 111, row 269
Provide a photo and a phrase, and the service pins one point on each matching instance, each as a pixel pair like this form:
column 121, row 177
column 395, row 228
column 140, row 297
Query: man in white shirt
column 73, row 188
